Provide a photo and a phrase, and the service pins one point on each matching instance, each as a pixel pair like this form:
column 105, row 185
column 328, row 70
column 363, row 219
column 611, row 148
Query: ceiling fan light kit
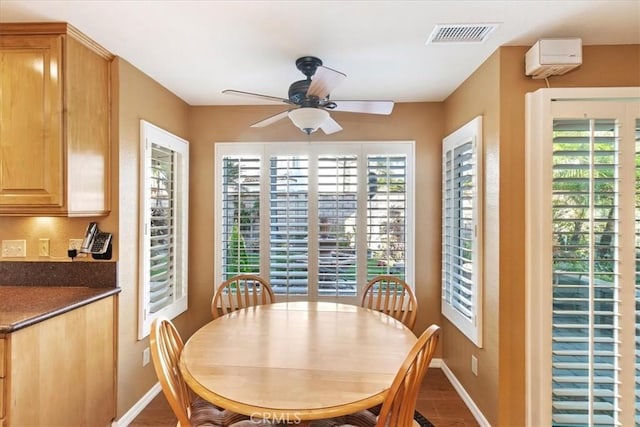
column 311, row 97
column 308, row 120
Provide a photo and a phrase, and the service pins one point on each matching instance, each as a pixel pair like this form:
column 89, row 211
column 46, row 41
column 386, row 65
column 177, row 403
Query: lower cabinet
column 61, row 372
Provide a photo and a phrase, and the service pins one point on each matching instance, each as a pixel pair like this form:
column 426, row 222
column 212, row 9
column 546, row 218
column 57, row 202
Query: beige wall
column 136, row 97
column 479, row 95
column 421, row 122
column 497, row 90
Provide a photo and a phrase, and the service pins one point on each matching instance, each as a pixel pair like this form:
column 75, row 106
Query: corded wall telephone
column 95, row 241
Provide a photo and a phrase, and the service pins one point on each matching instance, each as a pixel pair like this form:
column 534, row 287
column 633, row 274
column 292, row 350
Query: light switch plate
column 14, row 248
column 43, row 247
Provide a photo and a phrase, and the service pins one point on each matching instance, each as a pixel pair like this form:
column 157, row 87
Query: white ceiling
column 197, row 48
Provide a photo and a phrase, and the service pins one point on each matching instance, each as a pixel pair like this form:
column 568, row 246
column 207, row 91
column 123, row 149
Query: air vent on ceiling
column 461, row 33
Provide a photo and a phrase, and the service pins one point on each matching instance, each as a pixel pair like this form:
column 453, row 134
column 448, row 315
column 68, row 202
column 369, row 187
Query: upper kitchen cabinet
column 55, row 110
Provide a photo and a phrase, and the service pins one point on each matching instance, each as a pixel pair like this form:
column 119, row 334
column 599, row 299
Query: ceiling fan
column 310, row 99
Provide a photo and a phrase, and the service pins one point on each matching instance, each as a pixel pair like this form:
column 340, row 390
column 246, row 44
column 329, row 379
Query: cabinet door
column 31, row 156
column 62, row 371
column 87, row 118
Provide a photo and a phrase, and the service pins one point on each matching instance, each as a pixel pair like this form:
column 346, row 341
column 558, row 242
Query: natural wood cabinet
column 54, row 122
column 62, row 371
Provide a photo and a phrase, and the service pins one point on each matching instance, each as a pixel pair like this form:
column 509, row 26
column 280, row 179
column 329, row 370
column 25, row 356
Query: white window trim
column 472, row 329
column 538, row 256
column 265, row 150
column 149, row 134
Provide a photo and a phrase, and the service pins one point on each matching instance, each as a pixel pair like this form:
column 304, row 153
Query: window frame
column 542, row 107
column 471, row 132
column 314, row 150
column 151, row 134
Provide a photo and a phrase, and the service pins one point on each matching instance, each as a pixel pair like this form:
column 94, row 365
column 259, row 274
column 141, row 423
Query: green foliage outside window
column 238, row 259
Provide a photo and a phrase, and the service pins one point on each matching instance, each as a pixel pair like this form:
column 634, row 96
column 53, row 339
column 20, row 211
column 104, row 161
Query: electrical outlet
column 14, row 248
column 146, row 357
column 77, row 244
column 474, row 365
column 43, row 247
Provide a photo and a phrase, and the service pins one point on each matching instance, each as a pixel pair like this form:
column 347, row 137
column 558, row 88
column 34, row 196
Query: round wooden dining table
column 296, row 361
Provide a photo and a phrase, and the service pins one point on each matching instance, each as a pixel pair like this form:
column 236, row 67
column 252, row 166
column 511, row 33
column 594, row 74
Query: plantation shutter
column 315, row 220
column 461, row 284
column 337, row 203
column 582, row 258
column 161, row 228
column 289, row 224
column 164, row 209
column 386, row 215
column 583, row 241
column 241, row 215
column 459, row 228
column 585, row 341
column 637, row 275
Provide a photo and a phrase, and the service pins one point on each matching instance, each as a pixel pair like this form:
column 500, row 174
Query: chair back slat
column 393, row 296
column 243, row 290
column 400, row 403
column 166, row 346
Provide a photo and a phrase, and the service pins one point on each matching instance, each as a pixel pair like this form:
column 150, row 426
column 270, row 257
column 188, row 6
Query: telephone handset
column 95, row 241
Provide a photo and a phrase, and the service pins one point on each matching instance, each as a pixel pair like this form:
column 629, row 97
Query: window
column 585, row 202
column 582, row 263
column 317, row 220
column 289, row 224
column 164, row 212
column 241, row 210
column 461, row 229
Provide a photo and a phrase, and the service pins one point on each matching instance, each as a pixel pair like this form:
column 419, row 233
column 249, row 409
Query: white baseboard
column 436, row 363
column 475, row 411
column 135, row 410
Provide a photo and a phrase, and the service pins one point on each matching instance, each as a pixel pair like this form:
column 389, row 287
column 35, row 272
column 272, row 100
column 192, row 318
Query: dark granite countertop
column 31, row 292
column 22, row 306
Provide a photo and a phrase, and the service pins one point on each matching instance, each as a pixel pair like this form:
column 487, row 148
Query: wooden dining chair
column 399, row 405
column 393, row 296
column 191, row 410
column 243, row 290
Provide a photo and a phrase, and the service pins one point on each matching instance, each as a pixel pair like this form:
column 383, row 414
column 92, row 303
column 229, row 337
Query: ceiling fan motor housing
column 298, row 91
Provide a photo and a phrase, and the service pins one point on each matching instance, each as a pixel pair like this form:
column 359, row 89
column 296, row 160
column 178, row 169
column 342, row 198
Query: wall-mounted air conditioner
column 552, row 57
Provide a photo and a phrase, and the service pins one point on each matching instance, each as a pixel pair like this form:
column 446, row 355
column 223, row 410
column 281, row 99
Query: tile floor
column 438, row 401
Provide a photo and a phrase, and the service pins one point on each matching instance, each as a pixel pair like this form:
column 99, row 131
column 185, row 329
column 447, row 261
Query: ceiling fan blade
column 324, row 81
column 256, row 95
column 370, row 107
column 330, row 126
column 271, row 119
